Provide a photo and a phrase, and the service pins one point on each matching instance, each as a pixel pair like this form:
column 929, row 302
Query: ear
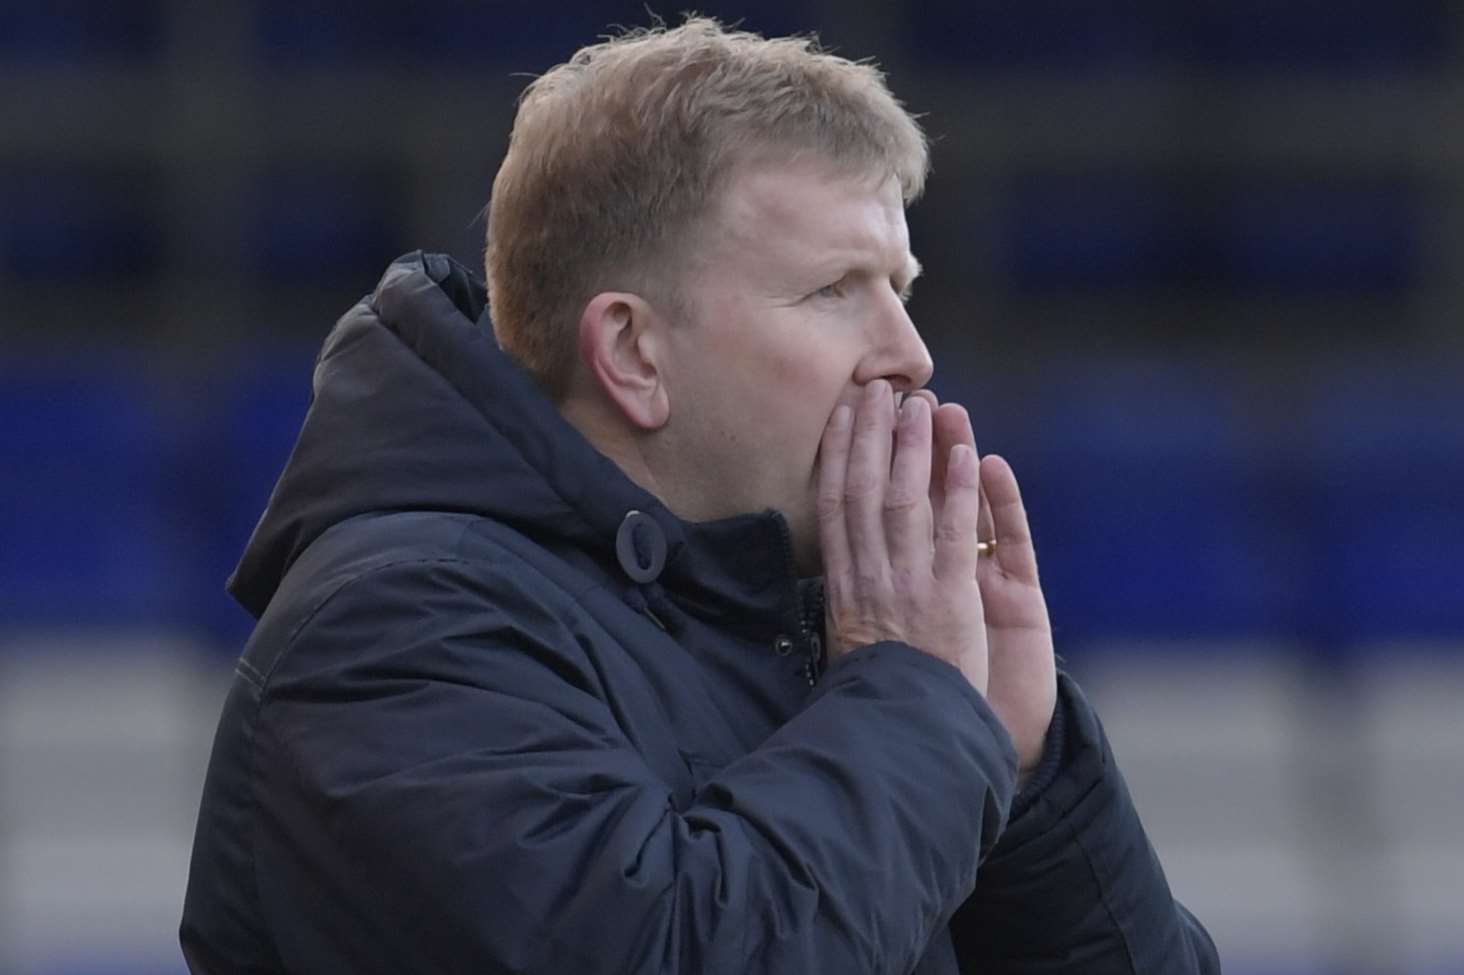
column 620, row 344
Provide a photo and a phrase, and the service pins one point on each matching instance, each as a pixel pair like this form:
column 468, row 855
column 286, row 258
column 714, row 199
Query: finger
column 985, row 525
column 867, row 479
column 937, row 471
column 907, row 502
column 955, row 427
column 955, row 534
column 1014, row 552
column 927, row 395
column 833, row 463
column 952, row 425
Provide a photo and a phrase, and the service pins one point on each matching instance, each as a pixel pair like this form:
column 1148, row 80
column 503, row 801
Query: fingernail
column 840, row 419
column 909, row 410
column 875, row 391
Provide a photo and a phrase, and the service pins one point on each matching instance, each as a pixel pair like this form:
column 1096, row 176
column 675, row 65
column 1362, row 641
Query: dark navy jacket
column 470, row 733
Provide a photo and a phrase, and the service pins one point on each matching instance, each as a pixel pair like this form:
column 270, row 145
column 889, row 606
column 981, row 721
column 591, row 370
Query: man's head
column 664, row 196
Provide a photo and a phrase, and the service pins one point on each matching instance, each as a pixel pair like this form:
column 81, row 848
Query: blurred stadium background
column 1197, row 267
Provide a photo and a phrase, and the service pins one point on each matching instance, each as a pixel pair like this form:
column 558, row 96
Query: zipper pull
column 814, row 663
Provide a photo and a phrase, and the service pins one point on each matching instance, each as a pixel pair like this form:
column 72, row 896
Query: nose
column 898, row 353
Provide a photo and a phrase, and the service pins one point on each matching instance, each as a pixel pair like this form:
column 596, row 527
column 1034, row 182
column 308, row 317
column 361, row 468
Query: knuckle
column 902, row 500
column 835, row 594
column 906, row 580
column 828, row 505
column 869, row 581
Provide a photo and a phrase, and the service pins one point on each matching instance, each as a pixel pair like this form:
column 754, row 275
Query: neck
column 612, row 438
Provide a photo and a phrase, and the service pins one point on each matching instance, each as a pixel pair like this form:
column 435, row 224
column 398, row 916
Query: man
column 543, row 680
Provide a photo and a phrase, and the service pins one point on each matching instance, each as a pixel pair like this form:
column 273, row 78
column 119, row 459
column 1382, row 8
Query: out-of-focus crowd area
column 1196, row 268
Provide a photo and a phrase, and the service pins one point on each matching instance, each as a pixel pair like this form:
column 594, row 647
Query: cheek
column 789, row 368
column 777, row 379
column 810, row 361
column 804, row 405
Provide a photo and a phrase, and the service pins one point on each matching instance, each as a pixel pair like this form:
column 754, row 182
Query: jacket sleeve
column 1073, row 885
column 442, row 785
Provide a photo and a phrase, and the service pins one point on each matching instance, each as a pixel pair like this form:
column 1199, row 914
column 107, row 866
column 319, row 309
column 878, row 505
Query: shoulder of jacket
column 358, row 557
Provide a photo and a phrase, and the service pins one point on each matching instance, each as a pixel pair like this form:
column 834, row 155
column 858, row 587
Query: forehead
column 808, row 211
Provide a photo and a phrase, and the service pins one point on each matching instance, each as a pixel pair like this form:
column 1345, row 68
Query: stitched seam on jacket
column 254, row 823
column 320, row 605
column 1128, row 948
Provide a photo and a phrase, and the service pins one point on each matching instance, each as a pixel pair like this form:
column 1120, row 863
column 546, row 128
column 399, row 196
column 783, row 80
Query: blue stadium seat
column 1150, row 510
column 87, row 499
column 1304, row 234
column 1267, row 233
column 125, row 506
column 1386, row 452
column 315, row 222
column 1096, row 231
column 230, row 461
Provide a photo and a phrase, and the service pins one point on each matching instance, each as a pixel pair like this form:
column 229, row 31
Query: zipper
column 815, row 656
column 810, row 610
column 808, row 625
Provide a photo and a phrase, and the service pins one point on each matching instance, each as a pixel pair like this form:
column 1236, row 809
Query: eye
column 835, row 290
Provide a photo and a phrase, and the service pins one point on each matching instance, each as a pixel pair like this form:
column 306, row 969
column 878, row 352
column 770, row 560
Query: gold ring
column 986, row 548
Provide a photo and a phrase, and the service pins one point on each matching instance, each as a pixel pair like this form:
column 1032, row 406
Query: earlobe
column 620, row 346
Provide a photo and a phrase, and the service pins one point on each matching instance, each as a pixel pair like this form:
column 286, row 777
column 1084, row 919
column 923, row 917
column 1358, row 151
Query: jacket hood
column 415, row 408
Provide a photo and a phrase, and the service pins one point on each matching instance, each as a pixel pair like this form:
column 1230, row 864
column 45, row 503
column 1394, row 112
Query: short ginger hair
column 617, row 155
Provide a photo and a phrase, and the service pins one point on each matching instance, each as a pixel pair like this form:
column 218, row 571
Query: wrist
column 1031, row 781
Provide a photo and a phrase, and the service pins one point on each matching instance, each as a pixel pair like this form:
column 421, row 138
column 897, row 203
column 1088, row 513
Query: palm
column 1023, row 681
